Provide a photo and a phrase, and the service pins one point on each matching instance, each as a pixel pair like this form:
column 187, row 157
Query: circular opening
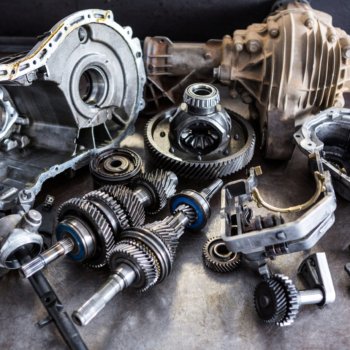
column 221, row 250
column 92, row 86
column 116, row 163
column 76, row 319
column 202, row 90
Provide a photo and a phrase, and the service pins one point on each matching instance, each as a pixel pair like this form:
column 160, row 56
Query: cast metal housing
column 78, row 90
column 329, row 134
column 292, row 65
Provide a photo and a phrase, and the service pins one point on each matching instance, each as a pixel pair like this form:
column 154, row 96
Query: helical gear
column 217, row 260
column 132, row 207
column 161, row 185
column 168, row 231
column 88, row 212
column 188, row 211
column 141, row 258
column 112, row 204
column 276, row 300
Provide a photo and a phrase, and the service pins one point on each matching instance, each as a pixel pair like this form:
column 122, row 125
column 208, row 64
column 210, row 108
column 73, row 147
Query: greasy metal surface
column 194, row 308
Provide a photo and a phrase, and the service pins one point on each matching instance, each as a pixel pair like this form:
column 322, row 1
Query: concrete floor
column 194, row 308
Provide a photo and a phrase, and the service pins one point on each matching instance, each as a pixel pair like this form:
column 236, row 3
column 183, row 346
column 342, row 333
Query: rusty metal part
column 293, row 64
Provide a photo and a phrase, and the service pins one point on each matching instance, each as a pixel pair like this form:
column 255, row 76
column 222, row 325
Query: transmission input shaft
column 144, row 256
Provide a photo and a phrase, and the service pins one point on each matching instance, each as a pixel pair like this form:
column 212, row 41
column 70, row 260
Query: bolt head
column 309, row 23
column 281, row 235
column 238, row 47
column 346, row 52
column 253, row 46
column 274, row 32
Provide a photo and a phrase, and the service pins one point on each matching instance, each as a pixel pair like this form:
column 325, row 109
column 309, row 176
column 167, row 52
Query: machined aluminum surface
column 75, row 93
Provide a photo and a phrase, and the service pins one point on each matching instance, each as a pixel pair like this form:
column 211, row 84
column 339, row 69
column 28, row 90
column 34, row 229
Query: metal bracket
column 259, row 244
column 314, row 271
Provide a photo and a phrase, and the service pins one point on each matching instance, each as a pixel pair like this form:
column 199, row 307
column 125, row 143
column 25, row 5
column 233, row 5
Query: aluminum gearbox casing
column 329, row 134
column 290, row 66
column 77, row 91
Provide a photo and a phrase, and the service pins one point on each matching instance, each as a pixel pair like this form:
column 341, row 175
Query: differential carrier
column 200, row 139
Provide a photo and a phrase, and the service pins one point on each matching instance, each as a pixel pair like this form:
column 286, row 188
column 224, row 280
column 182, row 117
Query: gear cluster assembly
column 144, row 255
column 89, row 227
column 70, row 100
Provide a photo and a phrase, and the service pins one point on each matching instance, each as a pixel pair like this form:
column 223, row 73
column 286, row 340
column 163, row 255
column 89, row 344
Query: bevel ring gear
column 238, row 154
column 218, row 258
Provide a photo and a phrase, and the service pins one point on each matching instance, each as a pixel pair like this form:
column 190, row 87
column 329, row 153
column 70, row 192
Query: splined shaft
column 89, row 227
column 144, row 255
column 59, row 249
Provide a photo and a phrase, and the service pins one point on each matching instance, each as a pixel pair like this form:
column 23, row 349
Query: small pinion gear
column 276, row 300
column 90, row 214
column 218, row 258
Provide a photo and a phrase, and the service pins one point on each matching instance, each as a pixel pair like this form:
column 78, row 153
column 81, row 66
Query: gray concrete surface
column 194, row 308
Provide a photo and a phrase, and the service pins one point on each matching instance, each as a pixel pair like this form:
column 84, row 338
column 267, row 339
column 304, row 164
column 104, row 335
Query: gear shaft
column 88, row 227
column 277, row 300
column 144, row 255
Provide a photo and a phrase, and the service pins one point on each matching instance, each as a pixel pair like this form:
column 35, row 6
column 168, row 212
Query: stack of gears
column 95, row 99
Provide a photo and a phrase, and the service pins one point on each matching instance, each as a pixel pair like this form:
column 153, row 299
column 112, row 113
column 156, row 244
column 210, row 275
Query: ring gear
column 90, row 214
column 115, row 166
column 218, row 261
column 240, row 149
column 276, row 300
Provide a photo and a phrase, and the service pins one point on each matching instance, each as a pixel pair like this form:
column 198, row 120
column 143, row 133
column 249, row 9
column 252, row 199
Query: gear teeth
column 132, row 207
column 163, row 184
column 101, row 228
column 111, row 203
column 203, row 170
column 141, row 257
column 285, row 299
column 227, row 262
column 168, row 231
column 188, row 211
